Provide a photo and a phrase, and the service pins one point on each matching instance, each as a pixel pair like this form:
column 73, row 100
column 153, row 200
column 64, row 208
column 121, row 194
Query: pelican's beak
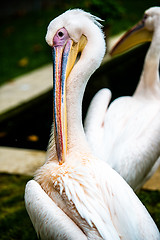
column 64, row 57
column 136, row 35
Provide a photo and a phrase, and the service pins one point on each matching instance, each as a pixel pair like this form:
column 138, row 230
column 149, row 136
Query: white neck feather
column 149, row 82
column 89, row 61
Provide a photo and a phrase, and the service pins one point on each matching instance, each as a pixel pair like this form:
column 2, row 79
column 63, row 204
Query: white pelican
column 97, row 201
column 127, row 134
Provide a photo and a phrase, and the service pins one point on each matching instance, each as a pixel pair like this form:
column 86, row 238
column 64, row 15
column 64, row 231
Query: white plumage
column 94, row 196
column 127, row 134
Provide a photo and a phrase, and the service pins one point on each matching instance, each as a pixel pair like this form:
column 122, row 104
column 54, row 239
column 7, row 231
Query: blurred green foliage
column 151, row 200
column 23, row 46
column 103, row 9
column 14, row 220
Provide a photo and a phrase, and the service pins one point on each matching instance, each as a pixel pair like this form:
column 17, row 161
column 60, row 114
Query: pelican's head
column 140, row 33
column 68, row 35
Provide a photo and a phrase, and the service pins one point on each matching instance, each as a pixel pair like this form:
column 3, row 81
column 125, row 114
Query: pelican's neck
column 89, row 61
column 149, row 81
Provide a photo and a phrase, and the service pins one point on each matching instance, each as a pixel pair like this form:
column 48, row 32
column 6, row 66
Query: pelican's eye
column 60, row 37
column 60, row 34
column 144, row 17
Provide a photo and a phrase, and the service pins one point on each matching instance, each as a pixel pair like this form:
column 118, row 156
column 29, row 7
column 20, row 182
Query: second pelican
column 127, row 134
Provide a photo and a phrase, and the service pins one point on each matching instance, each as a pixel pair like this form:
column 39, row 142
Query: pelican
column 74, row 185
column 127, row 134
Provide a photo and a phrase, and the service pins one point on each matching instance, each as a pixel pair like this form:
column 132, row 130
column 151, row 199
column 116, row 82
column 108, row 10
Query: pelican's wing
column 132, row 143
column 129, row 216
column 94, row 121
column 49, row 221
